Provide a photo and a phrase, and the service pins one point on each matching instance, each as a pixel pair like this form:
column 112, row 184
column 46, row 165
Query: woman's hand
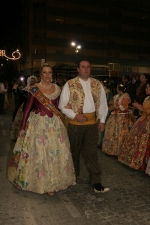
column 138, row 106
column 68, row 106
column 21, row 134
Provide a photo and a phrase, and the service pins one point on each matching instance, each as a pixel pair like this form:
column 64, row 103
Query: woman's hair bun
column 46, row 64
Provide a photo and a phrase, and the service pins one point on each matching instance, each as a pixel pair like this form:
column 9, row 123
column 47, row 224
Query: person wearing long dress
column 140, row 92
column 22, row 100
column 41, row 160
column 118, row 123
column 135, row 149
column 106, row 86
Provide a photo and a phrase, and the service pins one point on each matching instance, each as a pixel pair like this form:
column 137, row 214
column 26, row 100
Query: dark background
column 10, row 20
column 10, row 25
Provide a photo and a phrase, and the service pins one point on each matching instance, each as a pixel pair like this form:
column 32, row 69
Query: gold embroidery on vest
column 77, row 94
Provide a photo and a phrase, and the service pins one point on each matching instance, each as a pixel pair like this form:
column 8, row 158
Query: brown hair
column 121, row 87
column 84, row 59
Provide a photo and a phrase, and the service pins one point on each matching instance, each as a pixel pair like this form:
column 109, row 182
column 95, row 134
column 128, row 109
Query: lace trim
column 55, row 94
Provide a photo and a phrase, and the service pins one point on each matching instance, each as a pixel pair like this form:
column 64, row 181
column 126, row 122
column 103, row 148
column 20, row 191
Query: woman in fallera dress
column 135, row 150
column 109, row 96
column 41, row 160
column 118, row 123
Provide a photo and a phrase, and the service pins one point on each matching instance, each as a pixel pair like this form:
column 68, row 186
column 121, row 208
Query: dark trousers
column 83, row 139
column 2, row 97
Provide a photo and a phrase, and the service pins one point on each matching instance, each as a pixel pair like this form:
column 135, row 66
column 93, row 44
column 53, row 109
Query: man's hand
column 101, row 127
column 81, row 118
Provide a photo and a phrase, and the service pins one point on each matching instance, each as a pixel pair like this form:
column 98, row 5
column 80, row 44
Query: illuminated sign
column 15, row 55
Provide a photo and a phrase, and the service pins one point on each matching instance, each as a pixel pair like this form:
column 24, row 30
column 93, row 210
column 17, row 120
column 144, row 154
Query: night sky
column 10, row 20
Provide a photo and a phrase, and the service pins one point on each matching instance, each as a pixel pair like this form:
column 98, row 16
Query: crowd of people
column 46, row 155
column 127, row 129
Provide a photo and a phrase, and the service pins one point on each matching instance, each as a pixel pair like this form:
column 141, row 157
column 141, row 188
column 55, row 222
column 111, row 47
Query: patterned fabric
column 42, row 160
column 135, row 150
column 34, row 105
column 117, row 125
column 16, row 124
column 77, row 94
column 35, row 91
column 148, row 168
column 101, row 134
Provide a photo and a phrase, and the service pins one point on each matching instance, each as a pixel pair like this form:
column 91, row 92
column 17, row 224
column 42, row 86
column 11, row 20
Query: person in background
column 2, row 96
column 41, row 160
column 133, row 86
column 126, row 81
column 85, row 99
column 10, row 87
column 140, row 92
column 18, row 112
column 38, row 78
column 109, row 96
column 14, row 90
column 135, row 149
column 118, row 123
column 20, row 96
column 6, row 87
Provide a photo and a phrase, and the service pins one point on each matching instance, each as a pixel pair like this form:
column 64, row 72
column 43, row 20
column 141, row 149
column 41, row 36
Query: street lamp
column 77, row 47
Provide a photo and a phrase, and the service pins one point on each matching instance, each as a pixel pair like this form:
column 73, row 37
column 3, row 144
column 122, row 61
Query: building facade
column 114, row 34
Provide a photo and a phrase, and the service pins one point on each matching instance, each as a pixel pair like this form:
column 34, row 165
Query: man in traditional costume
column 83, row 101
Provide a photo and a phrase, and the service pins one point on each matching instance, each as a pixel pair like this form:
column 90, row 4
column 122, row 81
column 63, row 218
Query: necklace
column 44, row 86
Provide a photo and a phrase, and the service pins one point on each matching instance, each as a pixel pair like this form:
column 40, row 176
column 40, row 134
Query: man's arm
column 103, row 109
column 63, row 102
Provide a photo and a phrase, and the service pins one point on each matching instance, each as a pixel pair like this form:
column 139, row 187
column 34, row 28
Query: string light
column 14, row 57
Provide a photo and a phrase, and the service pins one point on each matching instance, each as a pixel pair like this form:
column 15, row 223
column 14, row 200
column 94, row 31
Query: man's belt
column 91, row 119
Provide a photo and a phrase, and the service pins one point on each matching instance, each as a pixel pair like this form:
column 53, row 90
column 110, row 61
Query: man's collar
column 88, row 80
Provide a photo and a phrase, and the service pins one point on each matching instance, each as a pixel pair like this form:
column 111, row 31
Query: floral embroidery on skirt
column 42, row 161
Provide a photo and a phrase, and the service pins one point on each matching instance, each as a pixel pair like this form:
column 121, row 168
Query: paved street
column 128, row 202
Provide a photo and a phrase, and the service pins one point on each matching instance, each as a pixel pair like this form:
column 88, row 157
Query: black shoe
column 98, row 188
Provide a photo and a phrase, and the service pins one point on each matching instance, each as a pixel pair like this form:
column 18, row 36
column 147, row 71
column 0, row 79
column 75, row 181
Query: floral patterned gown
column 42, row 161
column 117, row 125
column 135, row 150
column 101, row 134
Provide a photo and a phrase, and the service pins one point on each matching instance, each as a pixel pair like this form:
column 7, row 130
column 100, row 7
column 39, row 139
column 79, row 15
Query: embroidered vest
column 77, row 94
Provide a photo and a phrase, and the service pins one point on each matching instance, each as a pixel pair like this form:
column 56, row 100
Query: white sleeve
column 103, row 108
column 64, row 99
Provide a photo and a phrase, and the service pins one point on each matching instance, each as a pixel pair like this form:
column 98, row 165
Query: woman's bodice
column 34, row 105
